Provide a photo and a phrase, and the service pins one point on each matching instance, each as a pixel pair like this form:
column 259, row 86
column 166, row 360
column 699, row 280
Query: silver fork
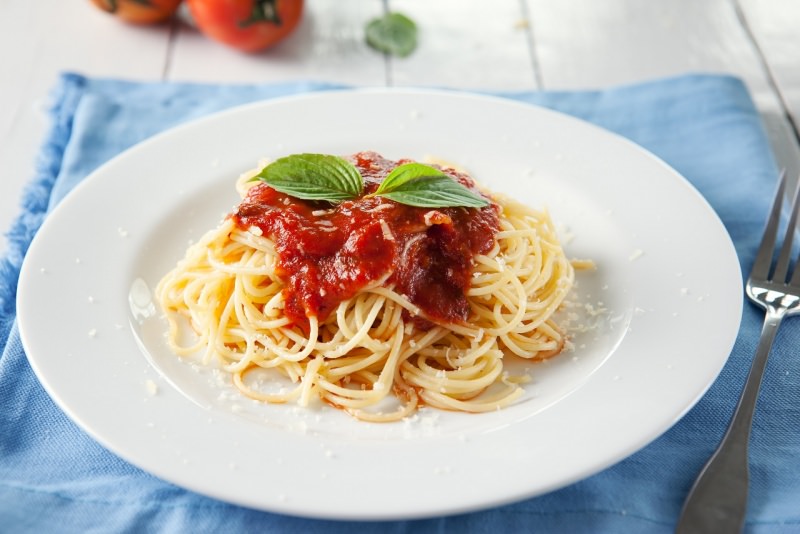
column 718, row 500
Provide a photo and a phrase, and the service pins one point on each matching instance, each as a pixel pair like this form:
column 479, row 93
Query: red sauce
column 328, row 252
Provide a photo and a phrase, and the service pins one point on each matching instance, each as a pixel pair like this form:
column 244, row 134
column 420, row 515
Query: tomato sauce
column 328, row 252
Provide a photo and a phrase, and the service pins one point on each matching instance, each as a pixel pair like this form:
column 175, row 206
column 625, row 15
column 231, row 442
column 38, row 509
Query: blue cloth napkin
column 54, row 477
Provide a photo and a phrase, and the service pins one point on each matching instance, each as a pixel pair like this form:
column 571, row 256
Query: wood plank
column 583, row 43
column 328, row 45
column 775, row 26
column 469, row 45
column 41, row 39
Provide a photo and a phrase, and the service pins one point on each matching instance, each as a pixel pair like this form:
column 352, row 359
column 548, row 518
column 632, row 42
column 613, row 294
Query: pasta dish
column 369, row 304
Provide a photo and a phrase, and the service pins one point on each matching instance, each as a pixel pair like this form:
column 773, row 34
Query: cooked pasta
column 378, row 349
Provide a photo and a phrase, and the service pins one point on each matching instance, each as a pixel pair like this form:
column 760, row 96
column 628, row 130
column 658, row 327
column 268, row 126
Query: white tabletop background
column 470, row 44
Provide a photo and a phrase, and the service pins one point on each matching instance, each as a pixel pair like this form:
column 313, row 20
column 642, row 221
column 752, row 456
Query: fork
column 717, row 501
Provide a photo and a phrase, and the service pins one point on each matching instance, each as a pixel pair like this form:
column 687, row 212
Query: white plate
column 668, row 279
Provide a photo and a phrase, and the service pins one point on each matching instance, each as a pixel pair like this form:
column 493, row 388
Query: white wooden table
column 472, row 44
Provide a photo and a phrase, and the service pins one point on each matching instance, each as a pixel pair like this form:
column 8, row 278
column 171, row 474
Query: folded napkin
column 54, row 477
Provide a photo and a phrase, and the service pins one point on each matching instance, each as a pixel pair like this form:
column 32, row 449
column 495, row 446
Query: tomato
column 139, row 11
column 249, row 25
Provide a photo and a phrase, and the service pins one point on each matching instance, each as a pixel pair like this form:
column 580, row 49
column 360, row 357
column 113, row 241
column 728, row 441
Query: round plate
column 654, row 329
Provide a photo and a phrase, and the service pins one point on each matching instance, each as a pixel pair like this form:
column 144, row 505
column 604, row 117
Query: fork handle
column 718, row 500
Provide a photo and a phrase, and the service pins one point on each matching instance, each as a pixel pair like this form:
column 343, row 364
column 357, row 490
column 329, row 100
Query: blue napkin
column 53, row 477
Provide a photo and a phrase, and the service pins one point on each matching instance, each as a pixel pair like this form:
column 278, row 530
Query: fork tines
column 761, row 266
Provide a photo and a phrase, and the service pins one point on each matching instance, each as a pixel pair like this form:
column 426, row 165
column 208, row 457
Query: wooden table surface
column 470, row 44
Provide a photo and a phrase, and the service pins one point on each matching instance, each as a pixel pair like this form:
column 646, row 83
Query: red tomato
column 139, row 11
column 249, row 25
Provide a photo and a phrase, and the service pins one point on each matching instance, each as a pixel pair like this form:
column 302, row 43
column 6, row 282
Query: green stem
column 263, row 11
column 112, row 5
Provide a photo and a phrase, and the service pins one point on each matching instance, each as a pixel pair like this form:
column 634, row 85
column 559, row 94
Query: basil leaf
column 394, row 34
column 313, row 177
column 331, row 178
column 434, row 192
column 405, row 173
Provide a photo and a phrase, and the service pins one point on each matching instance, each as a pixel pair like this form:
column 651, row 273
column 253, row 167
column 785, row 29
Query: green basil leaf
column 394, row 34
column 313, row 177
column 435, row 192
column 405, row 173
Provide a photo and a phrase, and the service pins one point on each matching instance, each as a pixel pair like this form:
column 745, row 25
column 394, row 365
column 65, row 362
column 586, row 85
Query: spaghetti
column 373, row 307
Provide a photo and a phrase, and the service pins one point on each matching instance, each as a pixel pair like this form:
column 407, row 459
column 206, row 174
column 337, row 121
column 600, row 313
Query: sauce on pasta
column 328, row 253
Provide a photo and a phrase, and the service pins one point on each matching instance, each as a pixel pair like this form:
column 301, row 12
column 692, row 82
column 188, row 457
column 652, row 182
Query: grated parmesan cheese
column 387, row 232
column 152, row 387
